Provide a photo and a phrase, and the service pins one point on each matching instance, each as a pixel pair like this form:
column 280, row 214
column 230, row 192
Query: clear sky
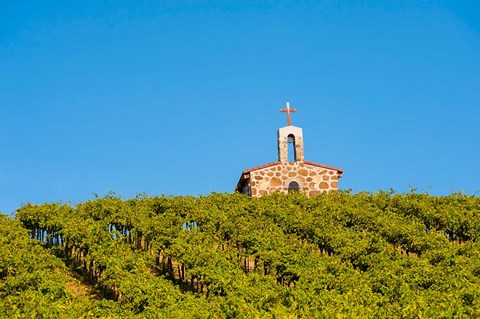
column 178, row 97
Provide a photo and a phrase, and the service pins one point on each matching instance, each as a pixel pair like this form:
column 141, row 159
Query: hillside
column 366, row 255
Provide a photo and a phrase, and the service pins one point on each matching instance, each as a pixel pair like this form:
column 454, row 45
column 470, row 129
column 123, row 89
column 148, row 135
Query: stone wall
column 313, row 180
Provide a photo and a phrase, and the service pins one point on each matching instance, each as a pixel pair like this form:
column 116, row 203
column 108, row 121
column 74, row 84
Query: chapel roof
column 306, row 162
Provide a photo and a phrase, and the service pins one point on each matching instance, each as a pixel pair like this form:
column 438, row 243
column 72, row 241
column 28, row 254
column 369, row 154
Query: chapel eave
column 339, row 170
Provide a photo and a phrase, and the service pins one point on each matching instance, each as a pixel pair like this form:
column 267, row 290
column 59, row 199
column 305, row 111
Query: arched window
column 292, row 156
column 293, row 186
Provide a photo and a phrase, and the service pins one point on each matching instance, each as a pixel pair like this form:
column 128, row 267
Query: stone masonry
column 312, row 179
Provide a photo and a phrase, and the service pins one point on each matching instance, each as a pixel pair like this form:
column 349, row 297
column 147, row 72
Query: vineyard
column 344, row 255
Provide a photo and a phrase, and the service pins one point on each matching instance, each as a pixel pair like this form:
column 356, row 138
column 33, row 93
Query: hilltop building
column 294, row 175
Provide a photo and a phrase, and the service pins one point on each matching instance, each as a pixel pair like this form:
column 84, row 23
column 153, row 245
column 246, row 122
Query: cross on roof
column 288, row 110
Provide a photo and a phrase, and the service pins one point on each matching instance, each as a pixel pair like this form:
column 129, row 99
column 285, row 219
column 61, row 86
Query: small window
column 293, row 186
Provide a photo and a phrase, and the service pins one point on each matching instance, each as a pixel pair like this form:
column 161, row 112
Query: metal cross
column 288, row 110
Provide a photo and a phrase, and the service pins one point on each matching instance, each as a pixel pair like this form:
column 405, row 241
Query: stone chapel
column 284, row 175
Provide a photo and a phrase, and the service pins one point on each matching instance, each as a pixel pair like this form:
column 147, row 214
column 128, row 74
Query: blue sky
column 178, row 97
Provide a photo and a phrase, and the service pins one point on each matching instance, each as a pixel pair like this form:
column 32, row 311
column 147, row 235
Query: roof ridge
column 340, row 170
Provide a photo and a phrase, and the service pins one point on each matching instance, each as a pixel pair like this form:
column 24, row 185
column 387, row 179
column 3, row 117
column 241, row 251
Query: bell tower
column 291, row 173
column 290, row 135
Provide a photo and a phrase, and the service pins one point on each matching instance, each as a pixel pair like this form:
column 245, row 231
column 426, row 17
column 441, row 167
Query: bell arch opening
column 291, row 152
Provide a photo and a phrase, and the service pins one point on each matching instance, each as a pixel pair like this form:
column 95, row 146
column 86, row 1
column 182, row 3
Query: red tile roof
column 306, row 162
column 261, row 166
column 324, row 166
